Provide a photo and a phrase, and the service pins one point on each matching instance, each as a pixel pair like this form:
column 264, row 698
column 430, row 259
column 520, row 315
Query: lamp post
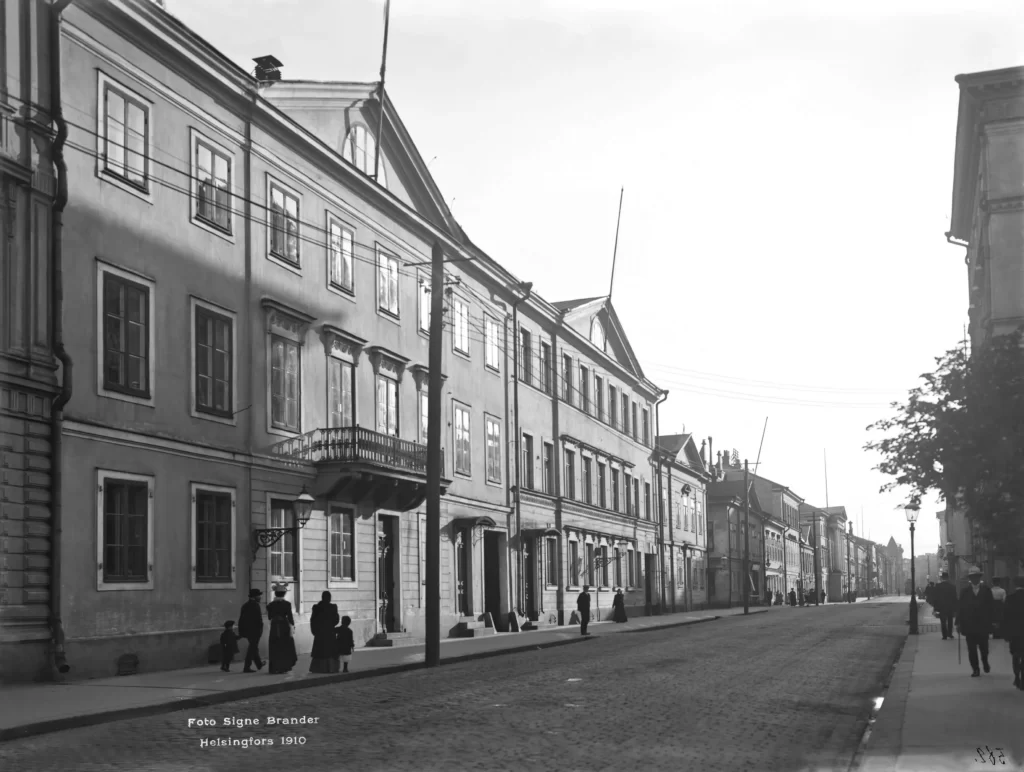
column 302, row 508
column 911, row 511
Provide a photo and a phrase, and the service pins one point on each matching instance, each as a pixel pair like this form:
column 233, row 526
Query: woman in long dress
column 322, row 621
column 619, row 606
column 282, row 645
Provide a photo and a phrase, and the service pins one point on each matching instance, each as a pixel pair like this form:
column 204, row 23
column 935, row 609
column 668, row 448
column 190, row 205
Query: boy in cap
column 974, row 619
column 1013, row 630
column 228, row 645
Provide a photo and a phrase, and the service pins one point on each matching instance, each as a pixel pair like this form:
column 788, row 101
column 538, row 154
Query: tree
column 961, row 434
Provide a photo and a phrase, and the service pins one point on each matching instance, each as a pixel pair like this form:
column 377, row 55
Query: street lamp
column 912, row 511
column 302, row 508
column 600, row 562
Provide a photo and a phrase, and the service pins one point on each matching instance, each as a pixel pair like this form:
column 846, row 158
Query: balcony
column 359, row 465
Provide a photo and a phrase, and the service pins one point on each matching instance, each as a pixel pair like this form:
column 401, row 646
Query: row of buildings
column 987, row 221
column 216, row 307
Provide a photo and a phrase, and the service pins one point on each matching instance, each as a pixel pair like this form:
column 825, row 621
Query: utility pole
column 433, row 610
column 817, row 564
column 849, row 576
column 746, row 537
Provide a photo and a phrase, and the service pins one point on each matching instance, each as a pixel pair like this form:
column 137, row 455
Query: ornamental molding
column 337, row 342
column 1003, row 204
column 286, row 319
column 421, row 374
column 386, row 362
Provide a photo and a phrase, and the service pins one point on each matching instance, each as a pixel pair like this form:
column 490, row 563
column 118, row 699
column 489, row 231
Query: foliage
column 961, row 434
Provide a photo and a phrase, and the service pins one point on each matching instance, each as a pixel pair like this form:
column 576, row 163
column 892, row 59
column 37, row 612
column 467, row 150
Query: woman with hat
column 322, row 621
column 282, row 645
column 974, row 619
column 250, row 627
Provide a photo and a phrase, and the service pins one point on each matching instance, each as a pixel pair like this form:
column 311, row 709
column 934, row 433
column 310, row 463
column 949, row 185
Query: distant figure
column 944, row 602
column 619, row 606
column 974, row 619
column 929, row 594
column 583, row 606
column 998, row 599
column 792, row 597
column 228, row 645
column 346, row 643
column 1013, row 630
column 778, row 598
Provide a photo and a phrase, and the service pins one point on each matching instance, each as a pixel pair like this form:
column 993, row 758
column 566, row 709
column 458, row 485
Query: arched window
column 597, row 333
column 359, row 149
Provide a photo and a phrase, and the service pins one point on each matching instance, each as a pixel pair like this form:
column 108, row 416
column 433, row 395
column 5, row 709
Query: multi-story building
column 836, row 537
column 29, row 383
column 736, row 563
column 683, row 480
column 988, row 219
column 895, row 553
column 815, row 536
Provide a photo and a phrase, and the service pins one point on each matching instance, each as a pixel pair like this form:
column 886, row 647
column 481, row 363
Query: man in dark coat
column 1013, row 630
column 974, row 619
column 583, row 606
column 944, row 602
column 250, row 627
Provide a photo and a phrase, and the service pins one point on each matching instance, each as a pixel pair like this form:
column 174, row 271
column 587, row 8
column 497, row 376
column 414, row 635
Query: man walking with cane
column 974, row 620
column 1013, row 630
column 944, row 603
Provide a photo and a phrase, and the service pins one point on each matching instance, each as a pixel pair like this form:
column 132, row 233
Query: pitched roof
column 578, row 314
column 672, row 443
column 568, row 305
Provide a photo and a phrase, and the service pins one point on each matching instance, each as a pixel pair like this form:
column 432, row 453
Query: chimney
column 703, row 458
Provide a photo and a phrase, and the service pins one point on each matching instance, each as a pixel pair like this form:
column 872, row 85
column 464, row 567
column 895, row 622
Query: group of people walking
column 333, row 641
column 978, row 612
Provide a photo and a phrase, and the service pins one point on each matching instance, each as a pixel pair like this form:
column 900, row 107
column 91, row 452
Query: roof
column 672, row 443
column 568, row 305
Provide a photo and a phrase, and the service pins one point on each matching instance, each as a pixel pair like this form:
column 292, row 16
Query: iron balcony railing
column 353, row 444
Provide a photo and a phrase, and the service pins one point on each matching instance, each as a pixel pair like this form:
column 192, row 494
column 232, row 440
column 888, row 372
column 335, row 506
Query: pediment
column 581, row 316
column 346, row 117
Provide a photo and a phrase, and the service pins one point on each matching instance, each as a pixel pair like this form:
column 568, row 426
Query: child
column 228, row 645
column 346, row 643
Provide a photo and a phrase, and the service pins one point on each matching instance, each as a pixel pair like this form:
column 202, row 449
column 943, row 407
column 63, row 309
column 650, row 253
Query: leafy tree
column 961, row 434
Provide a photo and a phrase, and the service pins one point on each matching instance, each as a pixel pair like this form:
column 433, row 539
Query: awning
column 471, row 522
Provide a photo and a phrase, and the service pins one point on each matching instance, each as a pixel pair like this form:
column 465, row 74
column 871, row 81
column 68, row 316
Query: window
column 284, row 224
column 342, row 525
column 341, row 388
column 493, row 354
column 545, row 367
column 618, row 567
column 647, row 500
column 699, row 515
column 631, row 568
column 567, row 378
column 461, row 332
column 213, row 337
column 339, row 254
column 525, row 357
column 647, row 427
column 462, row 441
column 627, row 492
column 615, row 489
column 574, row 563
column 613, row 406
column 636, row 497
column 284, row 384
column 493, row 429
column 549, row 468
column 125, row 144
column 387, row 283
column 602, row 486
column 424, row 304
column 213, row 536
column 360, row 150
column 127, row 334
column 625, row 414
column 604, row 566
column 597, row 333
column 570, row 474
column 588, row 483
column 527, row 468
column 211, row 183
column 585, row 389
column 590, row 564
column 125, row 532
column 424, row 415
column 599, row 397
column 282, row 554
column 552, row 556
column 387, row 406
column 634, row 422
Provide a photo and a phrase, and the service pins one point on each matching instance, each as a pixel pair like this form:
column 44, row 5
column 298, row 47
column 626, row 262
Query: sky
column 787, row 171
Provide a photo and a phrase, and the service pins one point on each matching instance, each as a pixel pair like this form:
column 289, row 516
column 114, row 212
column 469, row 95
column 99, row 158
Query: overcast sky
column 787, row 172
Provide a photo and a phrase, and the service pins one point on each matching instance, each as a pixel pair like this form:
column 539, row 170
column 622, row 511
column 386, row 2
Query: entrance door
column 461, row 572
column 649, row 596
column 492, row 577
column 387, row 563
column 532, row 562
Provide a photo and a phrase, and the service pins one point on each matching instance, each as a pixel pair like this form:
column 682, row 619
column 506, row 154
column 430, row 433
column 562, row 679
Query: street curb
column 76, row 722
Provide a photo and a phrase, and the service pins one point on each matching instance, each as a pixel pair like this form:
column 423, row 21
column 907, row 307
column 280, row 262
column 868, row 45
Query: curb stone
column 879, row 752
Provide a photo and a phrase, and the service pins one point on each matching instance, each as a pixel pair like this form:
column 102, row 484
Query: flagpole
column 615, row 252
column 383, row 68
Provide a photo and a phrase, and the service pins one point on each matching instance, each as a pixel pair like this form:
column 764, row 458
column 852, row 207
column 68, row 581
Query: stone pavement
column 936, row 718
column 49, row 707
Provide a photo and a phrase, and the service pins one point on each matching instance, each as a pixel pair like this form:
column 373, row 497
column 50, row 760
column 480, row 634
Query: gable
column 581, row 316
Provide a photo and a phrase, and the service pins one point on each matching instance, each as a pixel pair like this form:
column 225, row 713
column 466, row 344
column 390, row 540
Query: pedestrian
column 619, row 606
column 792, row 597
column 250, row 627
column 345, row 643
column 1013, row 630
column 282, row 644
column 944, row 601
column 228, row 645
column 929, row 594
column 974, row 619
column 322, row 621
column 998, row 599
column 583, row 606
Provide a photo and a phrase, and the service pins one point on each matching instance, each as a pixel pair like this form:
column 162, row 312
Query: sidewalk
column 935, row 717
column 50, row 707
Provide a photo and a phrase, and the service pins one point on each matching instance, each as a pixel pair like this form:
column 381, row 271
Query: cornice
column 283, row 315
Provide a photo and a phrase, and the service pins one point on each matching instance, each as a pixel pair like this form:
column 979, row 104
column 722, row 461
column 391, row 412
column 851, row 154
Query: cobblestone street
column 785, row 690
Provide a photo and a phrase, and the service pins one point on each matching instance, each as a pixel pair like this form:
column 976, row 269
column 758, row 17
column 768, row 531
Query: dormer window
column 597, row 333
column 360, row 149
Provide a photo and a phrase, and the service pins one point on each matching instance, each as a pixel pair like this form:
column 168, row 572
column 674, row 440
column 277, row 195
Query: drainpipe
column 661, row 513
column 527, row 289
column 57, row 337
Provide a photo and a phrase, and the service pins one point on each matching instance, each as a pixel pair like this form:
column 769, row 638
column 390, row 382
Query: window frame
column 525, row 374
column 567, row 379
column 584, row 388
column 332, row 221
column 382, row 378
column 196, row 138
column 281, row 260
column 383, row 256
column 424, row 290
column 569, row 474
column 458, row 407
column 102, row 476
column 546, row 366
column 350, row 137
column 460, row 325
column 526, row 476
column 492, row 344
column 602, row 485
column 196, row 305
column 295, row 581
column 103, row 268
column 272, row 427
column 548, row 467
column 587, row 479
column 571, row 562
column 341, row 362
column 105, row 82
column 551, row 573
column 345, row 510
column 489, row 421
column 197, row 584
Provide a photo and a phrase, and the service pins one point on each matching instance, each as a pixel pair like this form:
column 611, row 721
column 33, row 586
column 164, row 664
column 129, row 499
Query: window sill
column 127, row 187
column 219, row 419
column 462, row 354
column 494, row 483
column 342, row 291
column 390, row 316
column 197, row 585
column 149, row 401
column 102, row 586
column 285, row 263
column 343, row 584
column 491, row 369
column 227, row 235
column 291, row 434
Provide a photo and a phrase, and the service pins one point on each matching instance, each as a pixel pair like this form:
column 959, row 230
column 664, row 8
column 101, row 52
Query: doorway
column 461, row 572
column 649, row 575
column 388, row 580
column 492, row 576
